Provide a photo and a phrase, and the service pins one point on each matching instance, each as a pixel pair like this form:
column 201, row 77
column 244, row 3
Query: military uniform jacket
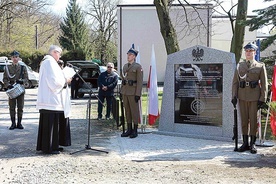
column 256, row 72
column 14, row 71
column 133, row 72
column 107, row 79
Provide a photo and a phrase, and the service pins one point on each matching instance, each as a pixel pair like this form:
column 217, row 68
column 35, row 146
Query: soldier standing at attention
column 250, row 87
column 15, row 73
column 131, row 91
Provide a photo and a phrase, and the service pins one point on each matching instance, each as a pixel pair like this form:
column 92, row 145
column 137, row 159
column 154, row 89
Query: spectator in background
column 107, row 81
column 75, row 86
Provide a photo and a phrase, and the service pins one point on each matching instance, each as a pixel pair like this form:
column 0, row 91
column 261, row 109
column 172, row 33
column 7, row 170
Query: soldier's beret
column 133, row 51
column 250, row 46
column 14, row 53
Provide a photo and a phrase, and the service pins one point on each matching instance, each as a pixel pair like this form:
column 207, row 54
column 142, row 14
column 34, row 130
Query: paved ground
column 18, row 156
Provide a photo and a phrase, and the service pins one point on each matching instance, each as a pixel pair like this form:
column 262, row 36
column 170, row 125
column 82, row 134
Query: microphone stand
column 87, row 146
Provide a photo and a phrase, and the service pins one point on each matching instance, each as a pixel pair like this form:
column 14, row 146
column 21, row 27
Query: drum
column 16, row 91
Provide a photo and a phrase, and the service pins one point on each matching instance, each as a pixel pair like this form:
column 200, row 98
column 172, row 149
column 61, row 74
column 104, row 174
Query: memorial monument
column 197, row 94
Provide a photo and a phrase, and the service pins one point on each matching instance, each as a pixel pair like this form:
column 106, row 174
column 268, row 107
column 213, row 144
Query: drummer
column 15, row 74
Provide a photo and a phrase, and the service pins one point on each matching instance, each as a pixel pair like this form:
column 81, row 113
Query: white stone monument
column 197, row 94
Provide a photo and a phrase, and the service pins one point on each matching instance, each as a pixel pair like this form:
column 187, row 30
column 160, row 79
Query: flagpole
column 143, row 127
column 268, row 110
column 146, row 114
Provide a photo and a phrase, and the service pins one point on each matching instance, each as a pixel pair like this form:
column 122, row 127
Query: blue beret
column 14, row 53
column 133, row 51
column 250, row 46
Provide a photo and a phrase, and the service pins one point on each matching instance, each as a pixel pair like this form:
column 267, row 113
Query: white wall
column 140, row 25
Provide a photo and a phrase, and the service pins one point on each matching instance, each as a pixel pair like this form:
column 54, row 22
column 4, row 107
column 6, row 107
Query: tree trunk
column 238, row 37
column 166, row 27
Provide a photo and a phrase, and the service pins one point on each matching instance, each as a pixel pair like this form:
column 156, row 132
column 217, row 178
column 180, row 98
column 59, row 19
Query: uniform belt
column 251, row 84
column 129, row 82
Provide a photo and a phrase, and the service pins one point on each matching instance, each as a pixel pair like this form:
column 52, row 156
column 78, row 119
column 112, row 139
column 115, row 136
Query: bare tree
column 102, row 15
column 168, row 30
column 166, row 27
column 18, row 19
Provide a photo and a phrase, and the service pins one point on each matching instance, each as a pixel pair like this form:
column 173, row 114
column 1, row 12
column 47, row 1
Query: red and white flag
column 152, row 90
column 273, row 99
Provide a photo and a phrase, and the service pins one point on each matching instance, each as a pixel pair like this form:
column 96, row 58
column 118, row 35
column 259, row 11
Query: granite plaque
column 197, row 94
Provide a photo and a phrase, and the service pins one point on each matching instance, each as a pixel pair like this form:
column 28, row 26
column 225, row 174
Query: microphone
column 72, row 66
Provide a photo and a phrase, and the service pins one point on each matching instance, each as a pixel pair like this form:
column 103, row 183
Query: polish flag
column 273, row 99
column 152, row 91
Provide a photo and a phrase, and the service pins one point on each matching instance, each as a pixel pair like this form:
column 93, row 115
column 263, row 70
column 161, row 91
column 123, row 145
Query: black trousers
column 108, row 106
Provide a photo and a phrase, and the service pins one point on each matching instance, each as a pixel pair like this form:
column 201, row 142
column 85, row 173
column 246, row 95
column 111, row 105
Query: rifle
column 122, row 117
column 235, row 129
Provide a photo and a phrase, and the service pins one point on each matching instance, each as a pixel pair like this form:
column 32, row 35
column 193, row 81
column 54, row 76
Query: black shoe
column 99, row 118
column 54, row 152
column 245, row 145
column 60, row 149
column 126, row 134
column 133, row 135
column 134, row 132
column 243, row 148
column 12, row 127
column 253, row 149
column 19, row 126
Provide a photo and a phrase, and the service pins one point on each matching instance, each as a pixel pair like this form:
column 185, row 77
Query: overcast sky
column 60, row 5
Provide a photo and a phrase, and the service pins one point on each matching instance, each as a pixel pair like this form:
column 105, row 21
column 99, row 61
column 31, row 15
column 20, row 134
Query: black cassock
column 53, row 130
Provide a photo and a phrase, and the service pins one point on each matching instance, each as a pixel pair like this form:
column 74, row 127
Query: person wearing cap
column 51, row 101
column 131, row 90
column 249, row 88
column 15, row 74
column 107, row 81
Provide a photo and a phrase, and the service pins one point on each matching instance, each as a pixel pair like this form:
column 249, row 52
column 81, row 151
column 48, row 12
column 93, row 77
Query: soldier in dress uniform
column 250, row 87
column 15, row 73
column 131, row 91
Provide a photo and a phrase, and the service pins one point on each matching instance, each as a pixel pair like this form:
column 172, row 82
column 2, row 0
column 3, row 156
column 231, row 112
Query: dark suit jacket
column 107, row 79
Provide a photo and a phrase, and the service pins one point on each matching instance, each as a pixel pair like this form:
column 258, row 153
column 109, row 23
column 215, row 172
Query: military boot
column 253, row 149
column 19, row 125
column 13, row 126
column 128, row 132
column 244, row 146
column 134, row 132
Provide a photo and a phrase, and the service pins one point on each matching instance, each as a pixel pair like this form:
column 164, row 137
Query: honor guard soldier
column 131, row 91
column 15, row 73
column 250, row 88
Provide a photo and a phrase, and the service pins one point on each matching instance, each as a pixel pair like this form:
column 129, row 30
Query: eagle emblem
column 197, row 54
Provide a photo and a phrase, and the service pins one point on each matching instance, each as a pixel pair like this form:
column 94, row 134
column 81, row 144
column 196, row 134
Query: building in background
column 139, row 24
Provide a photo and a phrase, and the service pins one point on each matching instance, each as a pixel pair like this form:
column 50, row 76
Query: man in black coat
column 107, row 81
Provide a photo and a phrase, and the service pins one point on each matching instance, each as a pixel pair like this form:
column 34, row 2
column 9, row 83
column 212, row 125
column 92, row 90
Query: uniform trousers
column 131, row 109
column 248, row 112
column 20, row 104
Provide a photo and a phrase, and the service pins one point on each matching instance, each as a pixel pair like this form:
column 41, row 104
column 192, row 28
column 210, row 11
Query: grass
column 144, row 98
